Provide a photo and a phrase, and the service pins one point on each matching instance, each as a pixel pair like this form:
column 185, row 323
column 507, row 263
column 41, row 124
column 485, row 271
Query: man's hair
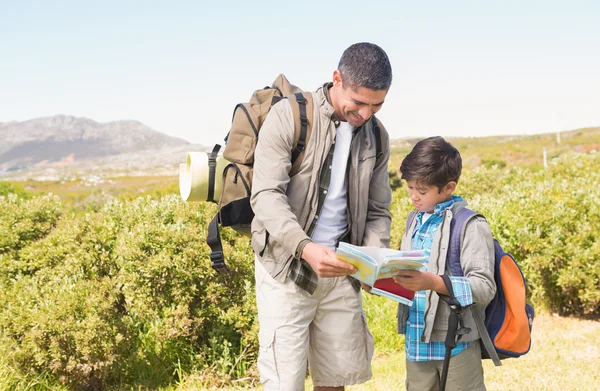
column 366, row 65
column 433, row 162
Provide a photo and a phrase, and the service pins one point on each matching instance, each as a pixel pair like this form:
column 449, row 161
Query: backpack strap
column 212, row 170
column 456, row 326
column 377, row 133
column 453, row 267
column 457, row 229
column 485, row 338
column 213, row 239
column 303, row 112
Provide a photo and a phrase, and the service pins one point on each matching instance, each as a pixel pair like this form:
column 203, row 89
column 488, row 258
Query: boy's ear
column 450, row 187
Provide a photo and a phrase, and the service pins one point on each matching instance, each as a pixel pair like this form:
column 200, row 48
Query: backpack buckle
column 301, row 99
column 304, row 121
column 218, row 262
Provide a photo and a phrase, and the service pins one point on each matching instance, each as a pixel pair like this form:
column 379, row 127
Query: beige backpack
column 234, row 201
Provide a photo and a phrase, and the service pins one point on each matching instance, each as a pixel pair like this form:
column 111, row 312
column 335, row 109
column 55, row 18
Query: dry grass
column 565, row 355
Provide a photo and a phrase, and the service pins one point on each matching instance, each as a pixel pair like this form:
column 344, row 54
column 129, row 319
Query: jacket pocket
column 441, row 316
column 402, row 316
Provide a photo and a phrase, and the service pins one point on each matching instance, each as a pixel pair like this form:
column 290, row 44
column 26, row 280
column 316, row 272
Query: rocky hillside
column 64, row 140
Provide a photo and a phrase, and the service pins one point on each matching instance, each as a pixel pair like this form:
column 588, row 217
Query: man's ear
column 337, row 78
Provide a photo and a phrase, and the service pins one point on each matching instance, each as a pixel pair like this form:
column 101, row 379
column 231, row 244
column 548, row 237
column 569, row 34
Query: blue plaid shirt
column 422, row 238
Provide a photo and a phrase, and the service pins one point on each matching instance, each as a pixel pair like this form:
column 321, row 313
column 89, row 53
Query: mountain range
column 64, row 141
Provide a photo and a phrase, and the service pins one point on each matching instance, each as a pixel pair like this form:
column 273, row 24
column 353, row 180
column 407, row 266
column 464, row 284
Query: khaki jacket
column 285, row 207
column 477, row 262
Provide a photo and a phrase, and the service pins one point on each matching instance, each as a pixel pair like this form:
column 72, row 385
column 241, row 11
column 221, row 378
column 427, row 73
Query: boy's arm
column 477, row 260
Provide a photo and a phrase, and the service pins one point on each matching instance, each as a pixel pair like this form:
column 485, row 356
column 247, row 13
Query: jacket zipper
column 431, row 294
column 354, row 165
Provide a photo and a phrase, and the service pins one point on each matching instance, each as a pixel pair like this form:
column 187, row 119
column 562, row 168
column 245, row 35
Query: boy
column 432, row 170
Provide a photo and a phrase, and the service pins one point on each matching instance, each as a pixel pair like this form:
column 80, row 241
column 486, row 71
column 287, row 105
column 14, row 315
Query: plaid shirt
column 422, row 239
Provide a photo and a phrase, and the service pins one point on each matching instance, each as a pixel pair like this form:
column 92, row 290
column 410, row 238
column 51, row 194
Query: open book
column 376, row 267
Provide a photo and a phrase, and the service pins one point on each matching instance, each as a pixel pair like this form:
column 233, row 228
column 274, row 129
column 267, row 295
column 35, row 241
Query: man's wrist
column 300, row 248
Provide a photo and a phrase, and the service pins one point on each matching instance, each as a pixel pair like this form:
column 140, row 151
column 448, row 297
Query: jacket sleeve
column 272, row 163
column 379, row 219
column 477, row 257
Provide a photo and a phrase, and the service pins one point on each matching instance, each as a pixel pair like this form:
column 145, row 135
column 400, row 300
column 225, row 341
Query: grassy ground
column 565, row 356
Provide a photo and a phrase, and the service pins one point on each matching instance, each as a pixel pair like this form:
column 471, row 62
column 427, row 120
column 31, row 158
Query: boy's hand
column 417, row 280
column 324, row 262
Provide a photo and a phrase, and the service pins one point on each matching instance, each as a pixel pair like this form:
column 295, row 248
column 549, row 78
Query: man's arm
column 272, row 163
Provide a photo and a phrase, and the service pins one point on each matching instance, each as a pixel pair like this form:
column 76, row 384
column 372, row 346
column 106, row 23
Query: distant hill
column 510, row 151
column 64, row 139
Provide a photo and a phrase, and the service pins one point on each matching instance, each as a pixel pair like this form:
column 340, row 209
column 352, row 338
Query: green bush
column 548, row 219
column 7, row 188
column 493, row 162
column 123, row 296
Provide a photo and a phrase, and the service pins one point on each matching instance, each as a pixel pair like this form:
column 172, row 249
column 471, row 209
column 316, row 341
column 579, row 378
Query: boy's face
column 425, row 197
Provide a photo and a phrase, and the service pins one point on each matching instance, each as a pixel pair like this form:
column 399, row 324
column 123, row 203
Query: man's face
column 356, row 105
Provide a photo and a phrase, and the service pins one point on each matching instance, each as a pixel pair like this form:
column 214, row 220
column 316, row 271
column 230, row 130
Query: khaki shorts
column 465, row 372
column 328, row 329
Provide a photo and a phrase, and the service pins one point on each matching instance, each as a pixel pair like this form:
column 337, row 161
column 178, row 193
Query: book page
column 395, row 261
column 366, row 265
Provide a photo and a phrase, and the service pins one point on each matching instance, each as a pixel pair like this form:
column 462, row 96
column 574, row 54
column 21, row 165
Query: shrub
column 547, row 219
column 7, row 188
column 125, row 295
column 493, row 162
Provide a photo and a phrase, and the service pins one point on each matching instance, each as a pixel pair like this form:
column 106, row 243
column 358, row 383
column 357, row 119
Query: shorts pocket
column 267, row 357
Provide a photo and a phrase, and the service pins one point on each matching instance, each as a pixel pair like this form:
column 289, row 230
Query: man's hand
column 324, row 262
column 417, row 280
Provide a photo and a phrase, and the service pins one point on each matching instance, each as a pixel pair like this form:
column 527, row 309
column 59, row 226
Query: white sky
column 468, row 68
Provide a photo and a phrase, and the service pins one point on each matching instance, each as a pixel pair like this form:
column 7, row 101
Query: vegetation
column 511, row 151
column 120, row 293
column 120, row 296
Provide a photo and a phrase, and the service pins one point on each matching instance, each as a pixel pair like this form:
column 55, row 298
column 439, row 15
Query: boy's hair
column 366, row 65
column 433, row 162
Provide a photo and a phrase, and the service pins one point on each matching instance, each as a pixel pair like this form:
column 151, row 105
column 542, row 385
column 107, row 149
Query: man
column 308, row 307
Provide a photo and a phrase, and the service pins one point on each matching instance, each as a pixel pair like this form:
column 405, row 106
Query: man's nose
column 365, row 112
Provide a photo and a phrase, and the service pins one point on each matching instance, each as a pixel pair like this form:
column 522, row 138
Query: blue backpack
column 506, row 331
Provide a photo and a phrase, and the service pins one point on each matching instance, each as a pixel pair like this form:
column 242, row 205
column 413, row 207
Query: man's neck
column 331, row 96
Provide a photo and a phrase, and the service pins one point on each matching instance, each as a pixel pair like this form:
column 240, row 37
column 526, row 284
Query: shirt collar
column 334, row 117
column 441, row 207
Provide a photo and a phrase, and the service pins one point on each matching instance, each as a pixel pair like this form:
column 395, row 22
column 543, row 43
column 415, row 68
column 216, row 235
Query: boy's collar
column 441, row 207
